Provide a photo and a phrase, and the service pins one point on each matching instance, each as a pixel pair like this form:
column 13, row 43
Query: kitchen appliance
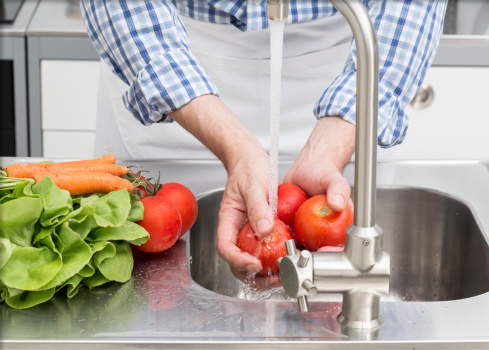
column 9, row 10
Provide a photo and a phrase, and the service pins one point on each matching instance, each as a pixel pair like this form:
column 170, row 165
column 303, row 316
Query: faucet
column 361, row 272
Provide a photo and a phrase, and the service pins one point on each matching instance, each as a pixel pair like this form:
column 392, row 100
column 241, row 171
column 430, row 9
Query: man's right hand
column 246, row 193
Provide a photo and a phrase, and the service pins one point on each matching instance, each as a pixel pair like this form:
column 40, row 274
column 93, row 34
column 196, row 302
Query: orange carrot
column 85, row 182
column 25, row 170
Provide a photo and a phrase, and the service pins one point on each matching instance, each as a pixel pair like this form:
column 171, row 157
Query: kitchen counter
column 162, row 307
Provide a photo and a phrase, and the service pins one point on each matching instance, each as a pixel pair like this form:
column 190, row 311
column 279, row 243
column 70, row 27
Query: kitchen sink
column 437, row 249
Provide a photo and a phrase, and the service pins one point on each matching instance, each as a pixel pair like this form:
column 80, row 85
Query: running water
column 276, row 47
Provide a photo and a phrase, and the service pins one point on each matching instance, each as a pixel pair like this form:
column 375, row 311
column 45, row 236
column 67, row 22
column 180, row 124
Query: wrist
column 209, row 120
column 333, row 140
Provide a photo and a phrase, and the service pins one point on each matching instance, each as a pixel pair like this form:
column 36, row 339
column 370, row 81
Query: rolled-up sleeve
column 146, row 45
column 408, row 34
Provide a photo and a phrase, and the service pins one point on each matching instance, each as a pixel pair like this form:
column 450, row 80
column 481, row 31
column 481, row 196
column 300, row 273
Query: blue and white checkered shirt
column 147, row 47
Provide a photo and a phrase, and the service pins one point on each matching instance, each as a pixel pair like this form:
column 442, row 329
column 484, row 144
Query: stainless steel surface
column 438, row 250
column 296, row 278
column 364, row 246
column 277, row 10
column 366, row 110
column 440, row 254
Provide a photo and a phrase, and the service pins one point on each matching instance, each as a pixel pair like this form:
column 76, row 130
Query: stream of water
column 276, row 47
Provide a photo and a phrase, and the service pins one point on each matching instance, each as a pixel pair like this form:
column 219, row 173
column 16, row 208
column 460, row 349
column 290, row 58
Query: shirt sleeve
column 408, row 33
column 146, row 45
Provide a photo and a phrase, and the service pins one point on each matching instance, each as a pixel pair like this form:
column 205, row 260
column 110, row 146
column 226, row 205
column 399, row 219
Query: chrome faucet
column 361, row 273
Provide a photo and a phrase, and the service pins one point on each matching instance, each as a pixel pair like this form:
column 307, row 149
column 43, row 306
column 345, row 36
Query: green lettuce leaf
column 129, row 232
column 57, row 203
column 18, row 219
column 5, row 251
column 30, row 268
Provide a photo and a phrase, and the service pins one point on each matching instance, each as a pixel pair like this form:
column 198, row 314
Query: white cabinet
column 68, row 104
column 456, row 124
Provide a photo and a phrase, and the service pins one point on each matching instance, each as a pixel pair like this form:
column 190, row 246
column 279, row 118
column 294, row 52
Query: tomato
column 163, row 222
column 267, row 250
column 316, row 225
column 184, row 200
column 290, row 198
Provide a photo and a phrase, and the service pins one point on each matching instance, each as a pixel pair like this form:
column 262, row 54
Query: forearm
column 209, row 120
column 408, row 35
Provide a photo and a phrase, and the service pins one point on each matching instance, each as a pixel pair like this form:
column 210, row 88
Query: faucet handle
column 302, row 262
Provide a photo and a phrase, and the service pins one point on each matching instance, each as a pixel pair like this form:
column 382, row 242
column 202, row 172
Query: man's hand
column 247, row 163
column 318, row 168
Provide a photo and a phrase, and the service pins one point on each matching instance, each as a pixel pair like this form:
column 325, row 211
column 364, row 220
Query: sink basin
column 428, row 235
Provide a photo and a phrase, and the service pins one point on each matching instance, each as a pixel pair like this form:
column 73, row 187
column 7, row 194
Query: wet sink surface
column 438, row 251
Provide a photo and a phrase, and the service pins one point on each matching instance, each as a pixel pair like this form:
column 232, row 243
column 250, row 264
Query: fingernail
column 262, row 225
column 252, row 267
column 338, row 200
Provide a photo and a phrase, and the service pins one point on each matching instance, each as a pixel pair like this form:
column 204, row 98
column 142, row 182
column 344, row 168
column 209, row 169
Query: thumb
column 260, row 214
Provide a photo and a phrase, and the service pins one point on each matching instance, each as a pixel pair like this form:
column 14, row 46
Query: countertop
column 162, row 307
column 63, row 18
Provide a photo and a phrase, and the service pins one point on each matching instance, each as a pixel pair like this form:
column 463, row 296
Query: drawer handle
column 424, row 98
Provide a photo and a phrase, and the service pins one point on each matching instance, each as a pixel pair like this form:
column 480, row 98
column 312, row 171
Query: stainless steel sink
column 438, row 251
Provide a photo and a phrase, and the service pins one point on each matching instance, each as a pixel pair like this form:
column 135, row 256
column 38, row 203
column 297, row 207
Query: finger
column 338, row 192
column 230, row 221
column 257, row 282
column 260, row 214
column 331, row 249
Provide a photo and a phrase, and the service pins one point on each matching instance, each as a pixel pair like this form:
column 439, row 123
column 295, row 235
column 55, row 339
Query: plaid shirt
column 146, row 45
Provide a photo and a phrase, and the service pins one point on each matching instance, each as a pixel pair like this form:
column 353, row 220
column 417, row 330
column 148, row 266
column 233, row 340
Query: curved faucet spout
column 366, row 110
column 362, row 272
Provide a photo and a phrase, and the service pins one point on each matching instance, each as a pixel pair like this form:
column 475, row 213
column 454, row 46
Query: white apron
column 239, row 64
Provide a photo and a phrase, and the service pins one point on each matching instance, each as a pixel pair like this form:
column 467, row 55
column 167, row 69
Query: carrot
column 85, row 182
column 25, row 170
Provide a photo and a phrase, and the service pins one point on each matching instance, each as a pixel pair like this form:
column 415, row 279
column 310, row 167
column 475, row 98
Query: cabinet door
column 69, row 99
column 456, row 124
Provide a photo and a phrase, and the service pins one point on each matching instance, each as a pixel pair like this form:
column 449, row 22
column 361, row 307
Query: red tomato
column 163, row 222
column 316, row 225
column 267, row 250
column 290, row 198
column 184, row 200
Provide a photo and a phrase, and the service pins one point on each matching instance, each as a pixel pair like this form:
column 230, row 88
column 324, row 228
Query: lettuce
column 53, row 243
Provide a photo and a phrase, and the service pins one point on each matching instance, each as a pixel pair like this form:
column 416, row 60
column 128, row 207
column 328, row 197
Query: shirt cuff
column 339, row 99
column 164, row 86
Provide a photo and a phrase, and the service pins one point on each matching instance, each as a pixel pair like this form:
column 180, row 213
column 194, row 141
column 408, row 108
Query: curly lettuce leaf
column 19, row 218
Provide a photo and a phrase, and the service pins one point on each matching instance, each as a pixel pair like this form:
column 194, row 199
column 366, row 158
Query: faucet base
column 360, row 324
column 361, row 309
